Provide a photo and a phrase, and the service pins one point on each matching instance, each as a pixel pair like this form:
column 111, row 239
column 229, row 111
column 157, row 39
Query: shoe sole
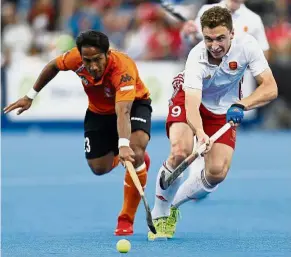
column 123, row 234
column 158, row 239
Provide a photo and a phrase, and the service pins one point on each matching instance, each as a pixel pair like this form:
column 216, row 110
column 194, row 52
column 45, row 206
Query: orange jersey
column 120, row 81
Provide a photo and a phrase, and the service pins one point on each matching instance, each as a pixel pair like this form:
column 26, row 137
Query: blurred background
column 53, row 205
column 35, row 31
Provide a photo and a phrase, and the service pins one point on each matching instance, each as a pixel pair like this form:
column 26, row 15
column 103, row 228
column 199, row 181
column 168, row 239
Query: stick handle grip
column 134, row 177
column 214, row 137
column 170, row 8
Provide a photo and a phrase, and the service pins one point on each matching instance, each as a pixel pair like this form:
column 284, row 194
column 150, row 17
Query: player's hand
column 203, row 138
column 126, row 154
column 188, row 28
column 22, row 104
column 235, row 114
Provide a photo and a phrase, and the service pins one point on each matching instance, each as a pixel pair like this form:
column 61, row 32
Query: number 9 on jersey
column 176, row 111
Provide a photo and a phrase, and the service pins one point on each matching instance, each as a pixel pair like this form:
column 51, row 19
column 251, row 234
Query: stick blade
column 163, row 182
column 149, row 216
column 151, row 224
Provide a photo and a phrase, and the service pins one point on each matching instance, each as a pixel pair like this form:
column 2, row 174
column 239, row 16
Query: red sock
column 131, row 195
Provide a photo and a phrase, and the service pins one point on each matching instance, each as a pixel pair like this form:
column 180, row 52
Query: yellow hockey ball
column 123, row 246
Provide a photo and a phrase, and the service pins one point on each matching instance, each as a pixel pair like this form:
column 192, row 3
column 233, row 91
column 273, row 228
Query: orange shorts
column 211, row 122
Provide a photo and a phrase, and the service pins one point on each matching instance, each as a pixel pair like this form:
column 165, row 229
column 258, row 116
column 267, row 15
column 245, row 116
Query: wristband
column 123, row 142
column 32, row 93
column 239, row 106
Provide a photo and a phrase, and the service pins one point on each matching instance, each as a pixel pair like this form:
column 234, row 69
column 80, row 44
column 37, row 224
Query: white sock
column 164, row 198
column 195, row 186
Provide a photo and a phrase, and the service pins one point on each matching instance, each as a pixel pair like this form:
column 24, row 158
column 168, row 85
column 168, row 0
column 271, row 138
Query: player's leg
column 100, row 142
column 181, row 139
column 141, row 126
column 217, row 164
column 208, row 171
column 197, row 166
column 202, row 180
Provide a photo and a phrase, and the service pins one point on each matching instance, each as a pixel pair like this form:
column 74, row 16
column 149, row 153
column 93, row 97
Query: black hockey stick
column 166, row 182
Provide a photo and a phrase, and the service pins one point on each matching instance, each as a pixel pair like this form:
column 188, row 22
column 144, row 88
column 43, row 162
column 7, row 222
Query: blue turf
column 52, row 205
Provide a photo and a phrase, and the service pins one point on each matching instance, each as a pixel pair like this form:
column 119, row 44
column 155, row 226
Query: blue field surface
column 52, row 205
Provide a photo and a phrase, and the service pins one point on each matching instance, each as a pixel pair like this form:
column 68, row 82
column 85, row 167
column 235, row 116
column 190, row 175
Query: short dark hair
column 93, row 38
column 216, row 16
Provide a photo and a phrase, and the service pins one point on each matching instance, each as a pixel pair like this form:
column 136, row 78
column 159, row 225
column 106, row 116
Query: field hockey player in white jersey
column 245, row 21
column 207, row 96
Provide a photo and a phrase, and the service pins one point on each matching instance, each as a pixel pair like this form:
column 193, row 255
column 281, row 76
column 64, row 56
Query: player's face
column 94, row 60
column 217, row 40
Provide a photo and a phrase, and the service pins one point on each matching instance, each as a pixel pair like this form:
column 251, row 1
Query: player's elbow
column 272, row 92
column 123, row 108
column 270, row 87
column 122, row 111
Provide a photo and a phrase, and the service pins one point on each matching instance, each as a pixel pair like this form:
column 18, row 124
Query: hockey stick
column 138, row 186
column 165, row 183
column 170, row 9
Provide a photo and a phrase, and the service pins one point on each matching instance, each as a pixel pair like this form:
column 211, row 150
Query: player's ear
column 108, row 52
column 232, row 34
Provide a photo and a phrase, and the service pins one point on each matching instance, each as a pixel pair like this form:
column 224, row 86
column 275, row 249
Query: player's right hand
column 22, row 104
column 126, row 154
column 203, row 138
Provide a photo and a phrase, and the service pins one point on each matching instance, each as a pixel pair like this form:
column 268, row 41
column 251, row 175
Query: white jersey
column 244, row 21
column 220, row 85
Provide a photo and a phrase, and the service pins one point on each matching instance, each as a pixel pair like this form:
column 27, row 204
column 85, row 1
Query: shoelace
column 174, row 217
column 162, row 223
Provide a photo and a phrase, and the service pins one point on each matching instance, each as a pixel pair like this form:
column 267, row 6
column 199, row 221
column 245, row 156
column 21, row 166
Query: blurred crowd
column 140, row 28
column 143, row 30
column 45, row 28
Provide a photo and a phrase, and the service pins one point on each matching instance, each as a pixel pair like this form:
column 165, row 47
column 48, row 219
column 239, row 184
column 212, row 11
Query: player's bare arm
column 192, row 103
column 24, row 103
column 123, row 109
column 266, row 91
column 47, row 74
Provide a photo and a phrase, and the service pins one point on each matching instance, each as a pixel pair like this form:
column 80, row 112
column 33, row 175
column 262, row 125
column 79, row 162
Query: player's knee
column 179, row 152
column 139, row 155
column 218, row 171
column 98, row 169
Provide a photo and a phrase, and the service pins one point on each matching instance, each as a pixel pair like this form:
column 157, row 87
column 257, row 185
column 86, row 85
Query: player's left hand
column 235, row 114
column 126, row 154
